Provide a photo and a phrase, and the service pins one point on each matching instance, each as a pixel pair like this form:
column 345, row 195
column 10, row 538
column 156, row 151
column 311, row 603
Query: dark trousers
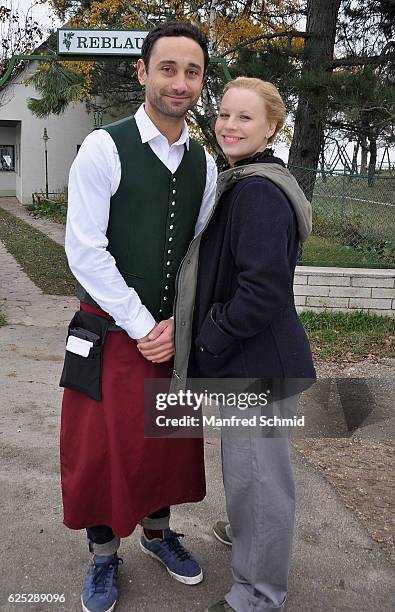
column 101, row 534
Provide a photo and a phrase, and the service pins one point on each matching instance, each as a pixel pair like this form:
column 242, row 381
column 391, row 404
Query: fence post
column 343, row 199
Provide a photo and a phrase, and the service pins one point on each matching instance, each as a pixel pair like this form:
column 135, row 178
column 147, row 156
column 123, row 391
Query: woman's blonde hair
column 275, row 107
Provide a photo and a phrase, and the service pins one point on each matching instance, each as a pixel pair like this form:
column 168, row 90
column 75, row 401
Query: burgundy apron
column 112, row 475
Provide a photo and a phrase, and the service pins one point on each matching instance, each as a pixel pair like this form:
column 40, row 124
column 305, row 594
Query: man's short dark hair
column 174, row 28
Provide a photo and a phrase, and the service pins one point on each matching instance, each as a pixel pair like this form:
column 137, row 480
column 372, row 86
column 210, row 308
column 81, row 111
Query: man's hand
column 158, row 345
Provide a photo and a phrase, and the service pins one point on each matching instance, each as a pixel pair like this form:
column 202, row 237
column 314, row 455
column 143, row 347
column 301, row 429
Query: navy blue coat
column 245, row 324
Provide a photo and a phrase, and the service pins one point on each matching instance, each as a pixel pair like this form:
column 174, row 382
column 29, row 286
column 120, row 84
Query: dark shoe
column 178, row 561
column 221, row 532
column 100, row 592
column 220, row 606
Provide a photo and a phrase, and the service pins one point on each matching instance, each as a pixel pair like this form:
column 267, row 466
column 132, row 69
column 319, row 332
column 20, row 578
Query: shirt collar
column 149, row 131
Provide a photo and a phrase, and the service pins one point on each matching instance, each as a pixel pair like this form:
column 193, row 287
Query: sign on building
column 72, row 41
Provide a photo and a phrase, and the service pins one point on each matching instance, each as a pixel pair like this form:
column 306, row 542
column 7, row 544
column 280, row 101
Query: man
column 139, row 189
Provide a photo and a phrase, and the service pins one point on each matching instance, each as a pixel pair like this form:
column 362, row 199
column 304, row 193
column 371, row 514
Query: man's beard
column 161, row 105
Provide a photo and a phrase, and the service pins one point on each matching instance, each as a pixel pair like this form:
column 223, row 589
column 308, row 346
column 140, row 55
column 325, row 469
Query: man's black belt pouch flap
column 80, row 373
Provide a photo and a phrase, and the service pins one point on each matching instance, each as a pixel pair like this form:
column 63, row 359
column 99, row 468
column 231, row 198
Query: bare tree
column 19, row 33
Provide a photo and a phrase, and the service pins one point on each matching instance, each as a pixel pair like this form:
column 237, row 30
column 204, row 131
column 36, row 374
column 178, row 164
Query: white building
column 22, row 158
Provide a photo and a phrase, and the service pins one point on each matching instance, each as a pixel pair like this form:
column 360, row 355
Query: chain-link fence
column 353, row 219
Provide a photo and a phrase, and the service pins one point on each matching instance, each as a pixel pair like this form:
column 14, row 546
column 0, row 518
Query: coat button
column 201, row 349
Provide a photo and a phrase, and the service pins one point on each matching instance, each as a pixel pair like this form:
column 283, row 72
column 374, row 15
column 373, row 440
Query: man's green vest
column 152, row 217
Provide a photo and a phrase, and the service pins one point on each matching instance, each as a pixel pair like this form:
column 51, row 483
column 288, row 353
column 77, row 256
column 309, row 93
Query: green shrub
column 53, row 209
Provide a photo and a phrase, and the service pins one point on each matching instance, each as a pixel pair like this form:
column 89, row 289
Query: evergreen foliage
column 58, row 87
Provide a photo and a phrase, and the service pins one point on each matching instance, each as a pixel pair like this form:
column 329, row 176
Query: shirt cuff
column 141, row 326
column 212, row 338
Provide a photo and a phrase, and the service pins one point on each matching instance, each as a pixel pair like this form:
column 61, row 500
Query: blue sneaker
column 100, row 593
column 177, row 560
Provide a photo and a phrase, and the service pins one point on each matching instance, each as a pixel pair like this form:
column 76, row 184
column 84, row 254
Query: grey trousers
column 260, row 502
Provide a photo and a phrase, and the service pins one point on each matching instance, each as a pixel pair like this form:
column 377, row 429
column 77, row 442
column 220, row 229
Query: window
column 7, row 157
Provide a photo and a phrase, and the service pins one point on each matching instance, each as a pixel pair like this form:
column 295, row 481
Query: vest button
column 167, row 275
column 172, row 215
column 166, row 287
column 174, row 191
column 168, row 263
column 170, row 239
column 183, row 323
column 173, row 203
column 174, row 179
column 164, row 299
column 171, row 226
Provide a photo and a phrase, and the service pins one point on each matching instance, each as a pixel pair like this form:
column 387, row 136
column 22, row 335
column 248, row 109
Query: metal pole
column 45, row 139
column 64, row 58
column 46, row 172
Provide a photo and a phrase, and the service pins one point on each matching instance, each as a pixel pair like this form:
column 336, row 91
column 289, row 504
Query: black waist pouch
column 81, row 373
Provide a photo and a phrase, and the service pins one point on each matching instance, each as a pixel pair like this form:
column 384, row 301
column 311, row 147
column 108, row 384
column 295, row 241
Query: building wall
column 7, row 177
column 345, row 289
column 18, row 178
column 65, row 132
column 7, row 183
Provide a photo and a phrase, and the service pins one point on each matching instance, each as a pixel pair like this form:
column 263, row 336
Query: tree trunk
column 354, row 163
column 372, row 160
column 311, row 111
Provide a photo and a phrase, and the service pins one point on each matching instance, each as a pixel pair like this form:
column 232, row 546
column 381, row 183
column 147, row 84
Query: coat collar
column 284, row 180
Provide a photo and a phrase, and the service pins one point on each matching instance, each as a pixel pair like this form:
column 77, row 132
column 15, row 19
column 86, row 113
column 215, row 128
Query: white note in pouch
column 78, row 346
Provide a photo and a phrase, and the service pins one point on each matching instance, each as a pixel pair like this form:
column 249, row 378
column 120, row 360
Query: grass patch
column 318, row 251
column 3, row 320
column 346, row 336
column 359, row 215
column 43, row 260
column 340, row 197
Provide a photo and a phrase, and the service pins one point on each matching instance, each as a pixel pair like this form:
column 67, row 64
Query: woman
column 245, row 326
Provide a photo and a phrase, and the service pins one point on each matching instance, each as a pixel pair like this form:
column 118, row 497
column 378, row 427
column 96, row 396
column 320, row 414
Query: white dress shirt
column 94, row 177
